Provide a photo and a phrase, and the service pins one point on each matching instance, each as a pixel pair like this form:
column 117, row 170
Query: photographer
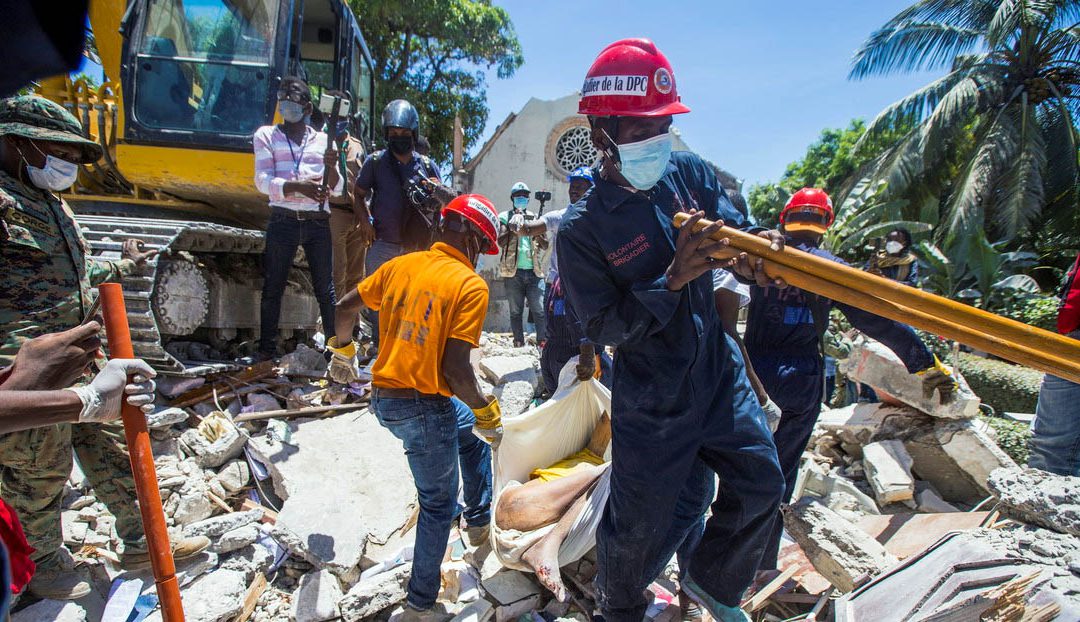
column 390, row 221
column 521, row 265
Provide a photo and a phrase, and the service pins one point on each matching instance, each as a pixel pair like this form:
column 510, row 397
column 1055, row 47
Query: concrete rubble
column 312, row 519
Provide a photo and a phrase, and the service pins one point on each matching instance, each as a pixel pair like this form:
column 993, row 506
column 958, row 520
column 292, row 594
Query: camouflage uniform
column 46, row 287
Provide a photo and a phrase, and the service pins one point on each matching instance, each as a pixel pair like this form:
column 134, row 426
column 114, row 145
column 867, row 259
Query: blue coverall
column 679, row 393
column 784, row 344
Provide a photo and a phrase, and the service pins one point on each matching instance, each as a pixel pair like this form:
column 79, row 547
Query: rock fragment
column 888, row 469
column 1039, row 498
column 316, row 598
column 372, row 595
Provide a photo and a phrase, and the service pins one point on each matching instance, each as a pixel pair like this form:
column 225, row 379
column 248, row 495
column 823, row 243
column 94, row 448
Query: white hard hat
column 519, row 187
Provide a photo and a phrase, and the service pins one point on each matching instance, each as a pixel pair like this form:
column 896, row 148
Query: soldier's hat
column 31, row 116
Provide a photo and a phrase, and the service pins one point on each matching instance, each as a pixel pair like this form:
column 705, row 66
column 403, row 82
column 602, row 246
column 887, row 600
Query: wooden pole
column 1000, row 336
column 118, row 335
column 887, row 289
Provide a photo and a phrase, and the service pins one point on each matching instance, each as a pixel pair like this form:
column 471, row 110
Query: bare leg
column 539, row 503
column 543, row 557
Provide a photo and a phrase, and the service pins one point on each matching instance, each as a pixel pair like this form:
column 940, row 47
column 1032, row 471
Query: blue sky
column 762, row 78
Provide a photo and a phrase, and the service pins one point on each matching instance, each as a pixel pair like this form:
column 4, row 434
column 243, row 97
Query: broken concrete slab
column 839, row 550
column 375, row 594
column 338, row 501
column 510, row 586
column 212, row 454
column 166, row 417
column 52, row 610
column 503, row 369
column 870, row 362
column 236, row 539
column 888, row 469
column 303, row 361
column 249, row 560
column 477, row 611
column 215, row 597
column 930, row 502
column 234, row 476
column 507, row 613
column 214, row 527
column 515, row 397
column 316, row 598
column 1039, row 498
column 834, row 490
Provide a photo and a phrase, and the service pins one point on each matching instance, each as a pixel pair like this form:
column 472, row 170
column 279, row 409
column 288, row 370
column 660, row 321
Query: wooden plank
column 299, row 412
column 206, row 391
column 758, row 600
column 904, row 535
column 269, row 516
column 254, row 592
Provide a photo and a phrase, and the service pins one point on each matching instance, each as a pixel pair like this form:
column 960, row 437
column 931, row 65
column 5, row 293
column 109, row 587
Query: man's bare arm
column 459, row 374
column 24, row 410
column 345, row 313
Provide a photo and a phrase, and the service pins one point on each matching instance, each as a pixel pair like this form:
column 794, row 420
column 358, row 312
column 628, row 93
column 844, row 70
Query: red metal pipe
column 142, row 461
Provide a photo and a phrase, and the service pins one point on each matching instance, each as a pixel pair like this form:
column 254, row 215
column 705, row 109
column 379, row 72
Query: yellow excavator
column 186, row 83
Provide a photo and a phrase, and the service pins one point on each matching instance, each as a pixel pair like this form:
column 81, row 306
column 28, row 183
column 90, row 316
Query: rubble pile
column 901, row 504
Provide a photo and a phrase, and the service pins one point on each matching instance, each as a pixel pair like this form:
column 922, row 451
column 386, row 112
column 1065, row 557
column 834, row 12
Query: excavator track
column 196, row 303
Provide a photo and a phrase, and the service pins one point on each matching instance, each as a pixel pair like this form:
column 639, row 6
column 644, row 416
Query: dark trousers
column 525, row 285
column 659, row 490
column 796, row 384
column 283, row 236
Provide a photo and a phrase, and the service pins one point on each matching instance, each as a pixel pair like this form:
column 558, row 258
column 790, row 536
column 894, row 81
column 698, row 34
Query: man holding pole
column 46, row 288
column 680, row 391
column 784, row 333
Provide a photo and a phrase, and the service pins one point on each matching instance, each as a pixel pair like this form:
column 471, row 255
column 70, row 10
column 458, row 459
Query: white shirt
column 278, row 160
column 723, row 279
column 551, row 220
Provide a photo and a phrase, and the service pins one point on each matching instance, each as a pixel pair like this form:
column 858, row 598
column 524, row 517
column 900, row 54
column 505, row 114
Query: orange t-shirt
column 423, row 299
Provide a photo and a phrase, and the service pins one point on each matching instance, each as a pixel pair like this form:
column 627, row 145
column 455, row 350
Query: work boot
column 423, row 615
column 181, row 549
column 719, row 611
column 56, row 583
column 475, row 536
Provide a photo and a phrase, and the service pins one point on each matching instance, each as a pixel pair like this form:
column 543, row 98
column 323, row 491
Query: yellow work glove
column 488, row 426
column 938, row 377
column 343, row 365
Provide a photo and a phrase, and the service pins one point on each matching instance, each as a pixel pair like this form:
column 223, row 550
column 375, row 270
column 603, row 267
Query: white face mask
column 893, row 247
column 56, row 175
column 643, row 163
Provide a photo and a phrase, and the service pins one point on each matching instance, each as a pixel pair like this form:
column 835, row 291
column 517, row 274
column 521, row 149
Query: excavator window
column 204, row 65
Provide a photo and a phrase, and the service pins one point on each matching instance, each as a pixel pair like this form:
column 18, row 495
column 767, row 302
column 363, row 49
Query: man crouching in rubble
column 433, row 305
column 46, row 287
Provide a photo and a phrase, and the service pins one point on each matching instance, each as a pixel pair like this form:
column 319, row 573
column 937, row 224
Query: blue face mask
column 643, row 163
column 521, row 202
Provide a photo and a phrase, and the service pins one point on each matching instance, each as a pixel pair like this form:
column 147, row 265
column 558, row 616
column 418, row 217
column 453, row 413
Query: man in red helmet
column 784, row 333
column 682, row 407
column 433, row 306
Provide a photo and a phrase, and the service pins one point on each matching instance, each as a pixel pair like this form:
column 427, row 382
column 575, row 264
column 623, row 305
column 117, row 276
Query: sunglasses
column 293, row 96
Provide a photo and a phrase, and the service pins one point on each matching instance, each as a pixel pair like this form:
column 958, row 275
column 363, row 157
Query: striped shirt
column 278, row 160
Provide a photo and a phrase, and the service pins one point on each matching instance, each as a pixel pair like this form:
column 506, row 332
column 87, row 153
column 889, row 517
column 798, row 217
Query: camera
column 542, row 196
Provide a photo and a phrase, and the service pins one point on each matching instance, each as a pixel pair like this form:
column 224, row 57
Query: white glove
column 517, row 221
column 772, row 414
column 104, row 395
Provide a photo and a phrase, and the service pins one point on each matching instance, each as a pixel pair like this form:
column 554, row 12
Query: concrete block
column 972, row 449
column 316, row 598
column 236, row 539
column 303, row 361
column 213, row 454
column 1039, row 498
column 166, row 417
column 214, row 527
column 215, row 597
column 503, row 369
column 478, row 611
column 375, row 594
column 507, row 613
column 510, row 586
column 515, row 397
column 888, row 469
column 234, row 475
column 52, row 610
column 874, row 364
column 839, row 551
column 929, row 501
column 339, row 501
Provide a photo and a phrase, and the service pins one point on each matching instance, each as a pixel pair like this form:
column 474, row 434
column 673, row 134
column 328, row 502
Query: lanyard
column 292, row 154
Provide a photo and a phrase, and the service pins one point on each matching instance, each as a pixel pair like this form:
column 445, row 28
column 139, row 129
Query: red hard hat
column 477, row 209
column 630, row 78
column 809, row 209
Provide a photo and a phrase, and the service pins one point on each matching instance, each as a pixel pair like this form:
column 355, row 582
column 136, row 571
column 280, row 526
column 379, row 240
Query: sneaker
column 719, row 611
column 475, row 536
column 59, row 584
column 181, row 549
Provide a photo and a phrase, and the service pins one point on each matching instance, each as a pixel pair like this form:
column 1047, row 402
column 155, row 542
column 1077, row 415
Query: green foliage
column 1011, row 436
column 766, row 201
column 1004, row 114
column 973, row 268
column 434, row 54
column 1031, row 309
column 1002, row 386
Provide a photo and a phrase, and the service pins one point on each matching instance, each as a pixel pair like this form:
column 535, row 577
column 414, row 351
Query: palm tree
column 1004, row 115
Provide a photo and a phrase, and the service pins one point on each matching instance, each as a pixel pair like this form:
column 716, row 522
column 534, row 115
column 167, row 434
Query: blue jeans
column 525, row 285
column 1055, row 443
column 283, row 236
column 379, row 253
column 437, row 435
